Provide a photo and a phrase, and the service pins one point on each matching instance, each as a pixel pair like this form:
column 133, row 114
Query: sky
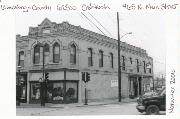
column 148, row 29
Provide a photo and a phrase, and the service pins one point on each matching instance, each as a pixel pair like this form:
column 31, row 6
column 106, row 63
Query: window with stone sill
column 56, row 53
column 100, row 58
column 130, row 59
column 37, row 54
column 46, row 53
column 144, row 66
column 73, row 54
column 137, row 66
column 111, row 60
column 123, row 63
column 150, row 70
column 21, row 59
column 90, row 57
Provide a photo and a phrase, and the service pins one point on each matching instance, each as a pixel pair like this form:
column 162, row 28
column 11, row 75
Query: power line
column 87, row 22
column 93, row 23
column 100, row 24
column 115, row 22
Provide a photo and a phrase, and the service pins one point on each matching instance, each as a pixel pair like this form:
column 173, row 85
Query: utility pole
column 119, row 61
column 42, row 83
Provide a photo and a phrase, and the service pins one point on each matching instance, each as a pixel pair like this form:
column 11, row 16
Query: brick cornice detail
column 65, row 29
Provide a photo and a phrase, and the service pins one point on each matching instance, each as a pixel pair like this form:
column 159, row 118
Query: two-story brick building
column 70, row 50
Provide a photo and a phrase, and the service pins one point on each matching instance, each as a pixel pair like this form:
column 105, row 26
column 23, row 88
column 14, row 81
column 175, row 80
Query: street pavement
column 104, row 109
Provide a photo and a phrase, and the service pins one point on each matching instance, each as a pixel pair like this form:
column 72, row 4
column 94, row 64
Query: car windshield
column 162, row 92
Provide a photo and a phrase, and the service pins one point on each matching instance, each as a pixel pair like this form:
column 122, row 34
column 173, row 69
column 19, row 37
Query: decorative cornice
column 65, row 29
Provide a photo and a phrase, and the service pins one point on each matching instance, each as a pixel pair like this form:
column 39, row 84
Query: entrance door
column 135, row 85
column 21, row 88
column 34, row 92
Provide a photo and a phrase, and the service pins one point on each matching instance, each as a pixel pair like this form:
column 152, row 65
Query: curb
column 28, row 106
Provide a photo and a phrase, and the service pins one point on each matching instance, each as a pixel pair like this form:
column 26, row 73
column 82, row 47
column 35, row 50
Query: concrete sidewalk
column 50, row 105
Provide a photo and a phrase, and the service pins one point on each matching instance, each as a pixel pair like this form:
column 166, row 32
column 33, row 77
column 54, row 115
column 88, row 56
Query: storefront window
column 57, row 92
column 71, row 92
column 35, row 91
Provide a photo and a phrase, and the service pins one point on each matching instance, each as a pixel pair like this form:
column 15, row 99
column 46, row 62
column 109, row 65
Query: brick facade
column 100, row 86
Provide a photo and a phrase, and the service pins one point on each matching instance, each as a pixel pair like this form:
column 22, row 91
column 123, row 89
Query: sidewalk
column 50, row 105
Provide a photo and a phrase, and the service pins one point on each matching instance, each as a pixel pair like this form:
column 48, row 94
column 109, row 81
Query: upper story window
column 46, row 53
column 150, row 70
column 100, row 58
column 130, row 59
column 21, row 59
column 144, row 66
column 149, row 67
column 37, row 54
column 90, row 57
column 56, row 53
column 111, row 60
column 123, row 63
column 137, row 62
column 73, row 54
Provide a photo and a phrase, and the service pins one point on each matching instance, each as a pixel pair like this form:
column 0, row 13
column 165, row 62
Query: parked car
column 152, row 103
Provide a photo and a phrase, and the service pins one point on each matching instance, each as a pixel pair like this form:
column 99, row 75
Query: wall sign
column 114, row 83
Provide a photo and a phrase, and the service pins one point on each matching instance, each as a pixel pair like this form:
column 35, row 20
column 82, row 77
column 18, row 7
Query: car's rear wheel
column 152, row 110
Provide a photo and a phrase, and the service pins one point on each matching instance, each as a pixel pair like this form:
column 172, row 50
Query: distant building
column 159, row 83
column 70, row 50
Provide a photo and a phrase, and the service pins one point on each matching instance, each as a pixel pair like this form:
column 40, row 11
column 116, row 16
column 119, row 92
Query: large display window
column 71, row 92
column 56, row 92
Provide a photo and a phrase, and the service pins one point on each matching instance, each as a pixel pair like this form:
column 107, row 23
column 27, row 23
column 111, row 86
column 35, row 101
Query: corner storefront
column 59, row 89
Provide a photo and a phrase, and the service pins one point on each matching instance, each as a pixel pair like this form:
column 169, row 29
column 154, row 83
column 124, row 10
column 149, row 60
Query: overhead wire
column 86, row 19
column 93, row 24
column 100, row 24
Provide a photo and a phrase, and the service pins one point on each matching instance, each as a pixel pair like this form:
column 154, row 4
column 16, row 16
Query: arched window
column 137, row 66
column 73, row 54
column 46, row 53
column 36, row 54
column 130, row 59
column 111, row 60
column 21, row 59
column 90, row 57
column 148, row 66
column 150, row 71
column 144, row 66
column 56, row 53
column 100, row 58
